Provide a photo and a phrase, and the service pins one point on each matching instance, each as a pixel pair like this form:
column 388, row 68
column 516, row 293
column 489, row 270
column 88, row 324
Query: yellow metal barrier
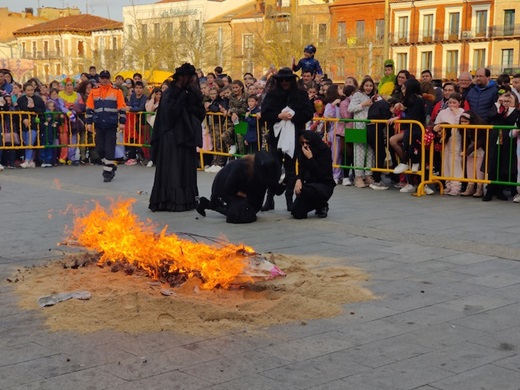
column 479, row 148
column 360, row 136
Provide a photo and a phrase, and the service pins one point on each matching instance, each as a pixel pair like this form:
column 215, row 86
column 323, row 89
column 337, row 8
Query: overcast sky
column 112, row 9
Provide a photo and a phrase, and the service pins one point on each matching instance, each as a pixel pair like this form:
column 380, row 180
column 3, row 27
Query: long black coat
column 253, row 178
column 177, row 133
column 276, row 100
column 502, row 151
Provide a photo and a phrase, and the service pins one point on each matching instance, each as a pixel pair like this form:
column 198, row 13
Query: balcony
column 506, row 31
column 41, row 55
column 439, row 36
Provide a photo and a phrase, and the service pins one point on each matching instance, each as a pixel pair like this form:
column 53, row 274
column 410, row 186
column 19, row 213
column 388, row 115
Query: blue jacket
column 308, row 65
column 482, row 99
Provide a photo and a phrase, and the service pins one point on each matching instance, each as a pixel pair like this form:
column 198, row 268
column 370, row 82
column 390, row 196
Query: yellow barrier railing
column 470, row 151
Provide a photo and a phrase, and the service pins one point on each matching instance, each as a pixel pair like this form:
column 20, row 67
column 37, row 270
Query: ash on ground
column 129, row 301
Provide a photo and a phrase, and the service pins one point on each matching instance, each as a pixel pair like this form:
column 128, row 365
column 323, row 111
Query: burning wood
column 125, row 242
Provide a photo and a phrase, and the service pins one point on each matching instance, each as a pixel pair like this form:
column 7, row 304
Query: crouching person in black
column 239, row 188
column 314, row 183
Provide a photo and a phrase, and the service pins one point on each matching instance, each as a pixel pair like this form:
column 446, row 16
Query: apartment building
column 69, row 45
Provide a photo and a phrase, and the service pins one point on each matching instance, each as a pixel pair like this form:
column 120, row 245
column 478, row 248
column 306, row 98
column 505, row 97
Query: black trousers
column 310, row 198
column 106, row 136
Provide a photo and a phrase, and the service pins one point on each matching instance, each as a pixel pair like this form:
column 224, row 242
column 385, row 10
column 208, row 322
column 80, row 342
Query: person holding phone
column 314, row 184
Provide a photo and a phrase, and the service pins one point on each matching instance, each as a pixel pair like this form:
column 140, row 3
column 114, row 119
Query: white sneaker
column 233, row 149
column 409, row 189
column 516, row 198
column 150, row 164
column 346, row 182
column 1, row 167
column 401, row 168
column 28, row 164
column 46, row 165
column 336, row 181
column 415, row 167
column 213, row 169
column 379, row 186
column 428, row 190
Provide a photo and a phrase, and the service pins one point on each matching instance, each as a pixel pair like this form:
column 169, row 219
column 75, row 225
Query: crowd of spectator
column 472, row 99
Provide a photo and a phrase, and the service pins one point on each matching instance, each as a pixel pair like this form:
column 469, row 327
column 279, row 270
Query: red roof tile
column 77, row 23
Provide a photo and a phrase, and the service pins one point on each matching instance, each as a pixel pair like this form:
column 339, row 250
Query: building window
column 479, row 58
column 426, row 60
column 247, row 66
column 283, row 26
column 57, row 48
column 157, row 30
column 183, row 29
column 248, row 44
column 509, row 22
column 144, row 32
column 428, row 28
column 283, row 3
column 169, row 30
column 402, row 29
column 378, row 60
column 342, row 32
column 402, row 61
column 481, row 23
column 380, row 29
column 360, row 29
column 114, row 43
column 307, row 32
column 454, row 25
column 81, row 49
column 130, row 31
column 507, row 57
column 360, row 65
column 34, row 49
column 341, row 67
column 322, row 33
column 452, row 63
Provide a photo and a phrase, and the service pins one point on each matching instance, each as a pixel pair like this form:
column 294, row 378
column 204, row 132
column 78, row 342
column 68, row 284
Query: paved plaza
column 446, row 271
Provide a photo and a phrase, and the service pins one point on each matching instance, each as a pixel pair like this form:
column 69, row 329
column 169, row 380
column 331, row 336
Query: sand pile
column 134, row 303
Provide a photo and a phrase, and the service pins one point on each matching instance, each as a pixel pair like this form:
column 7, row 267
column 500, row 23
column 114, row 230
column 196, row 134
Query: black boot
column 202, row 204
column 322, row 212
column 290, row 202
column 109, row 172
column 490, row 191
column 500, row 195
column 269, row 203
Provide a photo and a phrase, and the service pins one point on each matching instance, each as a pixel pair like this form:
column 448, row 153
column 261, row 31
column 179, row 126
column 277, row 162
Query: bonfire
column 121, row 240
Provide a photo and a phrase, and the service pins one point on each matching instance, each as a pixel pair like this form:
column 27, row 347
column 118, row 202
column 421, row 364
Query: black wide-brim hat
column 284, row 73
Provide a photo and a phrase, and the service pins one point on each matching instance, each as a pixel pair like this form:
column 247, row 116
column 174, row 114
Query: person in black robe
column 314, row 183
column 239, row 188
column 177, row 133
column 284, row 92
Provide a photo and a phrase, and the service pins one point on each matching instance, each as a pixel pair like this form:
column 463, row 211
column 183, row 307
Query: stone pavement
column 446, row 269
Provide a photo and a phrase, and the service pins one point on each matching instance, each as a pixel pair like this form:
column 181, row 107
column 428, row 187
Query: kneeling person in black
column 239, row 188
column 314, row 183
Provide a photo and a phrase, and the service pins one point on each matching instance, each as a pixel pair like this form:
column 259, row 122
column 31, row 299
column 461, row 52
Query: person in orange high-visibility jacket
column 106, row 109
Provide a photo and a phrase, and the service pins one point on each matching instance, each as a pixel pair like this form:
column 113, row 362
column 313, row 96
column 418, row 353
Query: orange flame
column 119, row 235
